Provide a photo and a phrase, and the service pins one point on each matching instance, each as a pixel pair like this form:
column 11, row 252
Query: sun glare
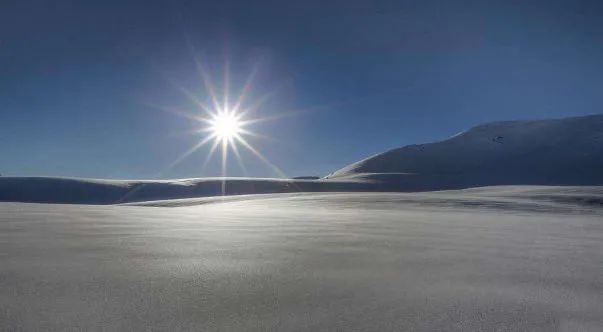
column 225, row 125
column 225, row 122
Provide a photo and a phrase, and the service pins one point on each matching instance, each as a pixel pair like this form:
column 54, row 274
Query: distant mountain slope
column 547, row 152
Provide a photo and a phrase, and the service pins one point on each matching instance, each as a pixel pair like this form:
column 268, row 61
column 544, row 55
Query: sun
column 226, row 125
column 224, row 122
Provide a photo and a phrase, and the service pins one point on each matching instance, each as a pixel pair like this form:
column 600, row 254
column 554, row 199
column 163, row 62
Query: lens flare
column 224, row 126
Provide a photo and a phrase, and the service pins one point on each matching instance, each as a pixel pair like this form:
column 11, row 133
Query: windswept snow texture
column 547, row 152
column 486, row 259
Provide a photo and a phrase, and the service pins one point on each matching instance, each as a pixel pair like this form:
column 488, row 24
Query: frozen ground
column 500, row 258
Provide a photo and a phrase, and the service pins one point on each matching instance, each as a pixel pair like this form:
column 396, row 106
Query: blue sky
column 82, row 82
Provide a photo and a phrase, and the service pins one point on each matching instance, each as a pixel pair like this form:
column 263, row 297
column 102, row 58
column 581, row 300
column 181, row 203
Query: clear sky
column 83, row 83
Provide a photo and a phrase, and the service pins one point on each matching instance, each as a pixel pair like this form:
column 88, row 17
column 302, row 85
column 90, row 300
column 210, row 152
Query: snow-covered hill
column 546, row 152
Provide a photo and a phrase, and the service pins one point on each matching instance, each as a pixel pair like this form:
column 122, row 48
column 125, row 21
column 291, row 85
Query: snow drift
column 546, row 152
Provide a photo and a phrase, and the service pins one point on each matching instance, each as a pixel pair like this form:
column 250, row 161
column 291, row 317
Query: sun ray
column 226, row 86
column 272, row 117
column 206, row 79
column 246, row 88
column 260, row 156
column 256, row 105
column 209, row 155
column 189, row 152
column 207, row 82
column 190, row 132
column 224, row 164
column 190, row 96
column 259, row 102
column 179, row 112
column 235, row 150
column 253, row 134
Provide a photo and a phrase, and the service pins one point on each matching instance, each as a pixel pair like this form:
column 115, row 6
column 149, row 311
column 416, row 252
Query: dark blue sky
column 77, row 78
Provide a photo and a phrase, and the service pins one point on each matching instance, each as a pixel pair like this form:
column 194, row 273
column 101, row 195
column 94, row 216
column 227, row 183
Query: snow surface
column 545, row 152
column 500, row 258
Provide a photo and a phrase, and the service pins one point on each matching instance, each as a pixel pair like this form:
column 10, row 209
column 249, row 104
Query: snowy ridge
column 545, row 152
